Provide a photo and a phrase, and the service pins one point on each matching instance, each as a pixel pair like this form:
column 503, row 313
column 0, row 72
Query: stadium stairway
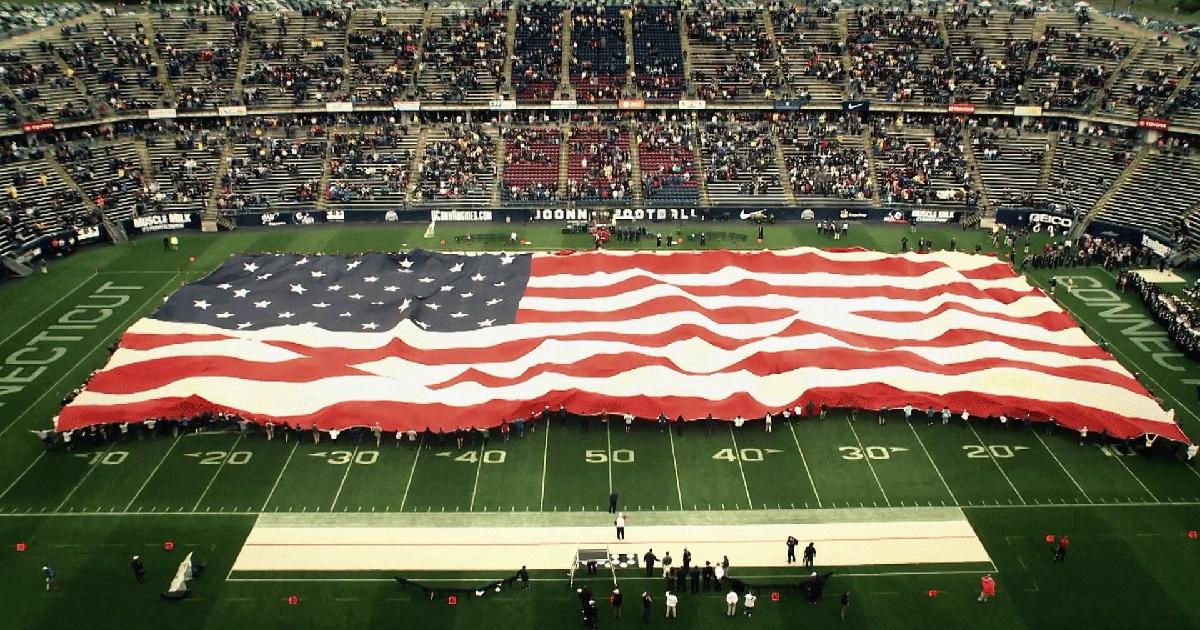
column 88, row 202
column 627, row 17
column 635, row 165
column 322, row 202
column 564, row 161
column 685, row 45
column 1118, row 74
column 985, row 202
column 1048, row 163
column 210, row 205
column 782, row 167
column 1117, row 185
column 564, row 77
column 867, row 148
column 167, row 99
column 510, row 42
column 701, row 169
column 501, row 148
column 414, row 174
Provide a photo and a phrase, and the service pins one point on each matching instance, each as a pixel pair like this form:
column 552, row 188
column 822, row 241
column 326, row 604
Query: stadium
column 578, row 315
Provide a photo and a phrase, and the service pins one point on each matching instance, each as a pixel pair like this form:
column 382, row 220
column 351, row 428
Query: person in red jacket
column 987, row 588
column 1060, row 552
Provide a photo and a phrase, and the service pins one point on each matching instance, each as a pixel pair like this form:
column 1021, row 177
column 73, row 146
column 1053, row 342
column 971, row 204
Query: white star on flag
column 353, row 265
column 356, row 296
column 425, row 280
column 335, row 287
column 320, row 305
column 302, row 261
column 317, row 274
column 421, row 324
column 264, row 276
column 405, row 304
column 494, row 301
column 456, row 268
column 225, row 285
column 239, row 293
column 262, row 304
column 250, row 267
column 201, row 304
column 244, row 325
column 446, row 288
column 459, row 315
column 433, row 306
column 507, row 259
column 498, row 284
column 478, row 277
column 286, row 315
column 406, row 263
column 376, row 303
column 369, row 326
column 298, row 289
column 391, row 289
column 224, row 315
column 487, row 322
column 345, row 315
column 467, row 295
column 370, row 279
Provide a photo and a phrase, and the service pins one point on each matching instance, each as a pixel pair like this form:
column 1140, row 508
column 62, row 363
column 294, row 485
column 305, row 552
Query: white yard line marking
column 998, row 467
column 345, row 474
column 1060, row 465
column 608, row 441
column 85, row 357
column 91, row 468
column 478, row 468
column 545, row 455
column 412, row 471
column 869, row 464
column 1135, row 477
column 931, row 462
column 280, row 475
column 477, row 580
column 47, row 309
column 675, row 465
column 804, row 461
column 152, row 473
column 738, row 455
column 220, row 467
column 23, row 473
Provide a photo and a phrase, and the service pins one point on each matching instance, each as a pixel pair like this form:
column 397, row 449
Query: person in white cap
column 731, row 603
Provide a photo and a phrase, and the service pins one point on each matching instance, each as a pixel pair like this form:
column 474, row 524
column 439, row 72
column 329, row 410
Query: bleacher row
column 704, row 159
column 108, row 62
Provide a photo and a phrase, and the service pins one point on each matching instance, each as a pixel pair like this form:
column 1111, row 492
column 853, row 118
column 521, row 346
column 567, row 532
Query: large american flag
column 424, row 339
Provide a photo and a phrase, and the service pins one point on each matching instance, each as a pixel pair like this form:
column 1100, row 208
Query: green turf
column 87, row 510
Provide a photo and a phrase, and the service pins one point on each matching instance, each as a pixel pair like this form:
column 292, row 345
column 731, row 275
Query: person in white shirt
column 719, row 574
column 751, row 598
column 738, row 422
column 731, row 604
column 620, row 523
column 767, row 420
column 1192, row 449
column 672, row 604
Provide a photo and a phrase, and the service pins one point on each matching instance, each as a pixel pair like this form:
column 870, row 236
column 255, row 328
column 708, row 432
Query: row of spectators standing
column 1178, row 313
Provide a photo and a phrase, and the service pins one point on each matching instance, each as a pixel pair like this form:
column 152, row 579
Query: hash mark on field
column 87, row 474
column 1064, row 468
column 931, row 462
column 216, row 474
column 869, row 464
column 23, row 473
column 152, row 473
column 345, row 474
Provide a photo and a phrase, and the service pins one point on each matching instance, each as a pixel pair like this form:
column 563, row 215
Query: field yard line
column 738, row 455
column 216, row 474
column 280, row 475
column 804, row 461
column 608, row 441
column 1136, row 478
column 675, row 465
column 23, row 473
column 412, row 472
column 1060, row 465
column 47, row 309
column 152, row 473
column 478, row 468
column 346, row 474
column 933, row 463
column 1166, row 392
column 82, row 479
column 998, row 467
column 869, row 464
column 545, row 454
column 67, row 373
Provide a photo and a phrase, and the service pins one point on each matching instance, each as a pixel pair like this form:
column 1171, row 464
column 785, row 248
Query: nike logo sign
column 746, row 215
column 853, row 106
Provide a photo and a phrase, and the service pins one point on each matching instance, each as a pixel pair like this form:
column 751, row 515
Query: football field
column 88, row 509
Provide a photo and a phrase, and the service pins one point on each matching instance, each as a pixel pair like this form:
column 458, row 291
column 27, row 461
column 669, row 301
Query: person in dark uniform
column 679, row 425
column 615, row 600
column 810, row 554
column 647, row 603
column 791, row 547
column 649, row 558
column 523, row 575
column 1060, row 551
column 139, row 569
column 612, row 501
column 681, row 575
column 845, row 603
column 590, row 614
column 703, row 239
column 687, row 559
column 695, row 575
column 708, row 574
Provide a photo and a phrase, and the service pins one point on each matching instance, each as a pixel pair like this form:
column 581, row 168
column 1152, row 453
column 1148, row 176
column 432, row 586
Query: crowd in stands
column 658, row 53
column 742, row 60
column 464, row 54
column 819, row 58
column 1076, row 65
column 666, row 155
column 598, row 56
column 369, row 166
column 741, row 153
column 889, row 50
column 925, row 167
column 531, row 156
column 384, row 57
column 821, row 162
column 537, row 52
column 458, row 165
column 599, row 164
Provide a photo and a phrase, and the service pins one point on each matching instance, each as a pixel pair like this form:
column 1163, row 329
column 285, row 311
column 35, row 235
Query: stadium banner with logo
column 1156, row 124
column 231, row 110
column 37, row 126
column 685, row 103
column 631, row 103
column 1027, row 110
column 856, row 107
column 406, row 106
column 59, row 243
column 501, row 105
column 787, row 105
column 1131, row 235
column 961, row 108
column 1033, row 217
column 276, row 219
column 433, row 339
column 160, row 222
column 566, row 103
column 161, row 113
column 337, row 107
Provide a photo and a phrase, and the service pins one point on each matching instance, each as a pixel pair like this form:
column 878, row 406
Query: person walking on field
column 810, row 555
column 139, row 569
column 647, row 604
column 620, row 523
column 1060, row 551
column 615, row 600
column 749, row 602
column 612, row 501
column 666, row 564
column 791, row 547
column 987, row 588
column 845, row 603
column 731, row 603
column 672, row 605
column 649, row 559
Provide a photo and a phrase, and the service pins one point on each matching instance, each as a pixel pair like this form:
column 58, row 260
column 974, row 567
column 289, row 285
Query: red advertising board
column 961, row 108
column 1157, row 124
column 36, row 126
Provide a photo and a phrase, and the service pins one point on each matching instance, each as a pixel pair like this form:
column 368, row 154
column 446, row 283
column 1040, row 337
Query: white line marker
column 869, row 464
column 216, row 474
column 545, row 454
column 412, row 472
column 930, row 458
column 22, row 475
column 280, row 476
column 1060, row 465
column 804, row 461
column 344, row 476
column 151, row 475
column 997, row 463
column 675, row 465
column 47, row 309
column 738, row 454
column 87, row 474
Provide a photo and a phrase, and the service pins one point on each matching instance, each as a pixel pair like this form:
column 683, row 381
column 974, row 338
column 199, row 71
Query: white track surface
column 481, row 543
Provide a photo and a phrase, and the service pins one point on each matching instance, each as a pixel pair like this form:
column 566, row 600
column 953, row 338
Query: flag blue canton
column 373, row 292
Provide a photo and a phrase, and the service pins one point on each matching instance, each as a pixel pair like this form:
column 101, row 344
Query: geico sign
column 1052, row 219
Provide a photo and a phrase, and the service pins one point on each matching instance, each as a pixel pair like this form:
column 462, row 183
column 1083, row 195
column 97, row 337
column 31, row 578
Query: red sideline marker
column 932, row 593
column 1049, row 538
column 168, row 545
column 293, row 600
column 21, row 546
column 1191, row 534
column 452, row 600
column 775, row 596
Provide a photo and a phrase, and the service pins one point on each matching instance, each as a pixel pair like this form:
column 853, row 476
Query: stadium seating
column 272, row 173
column 657, row 53
column 36, row 200
column 598, row 56
column 1085, row 166
column 731, row 55
column 537, row 52
column 1160, row 189
column 666, row 157
column 531, row 157
column 464, row 55
column 810, row 49
column 740, row 160
column 922, row 163
column 201, row 55
column 369, row 167
column 459, row 165
column 183, row 164
column 1011, row 164
column 382, row 48
column 598, row 167
column 826, row 159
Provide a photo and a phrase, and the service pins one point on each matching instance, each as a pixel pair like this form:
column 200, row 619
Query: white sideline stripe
column 843, row 544
column 477, row 580
column 47, row 309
